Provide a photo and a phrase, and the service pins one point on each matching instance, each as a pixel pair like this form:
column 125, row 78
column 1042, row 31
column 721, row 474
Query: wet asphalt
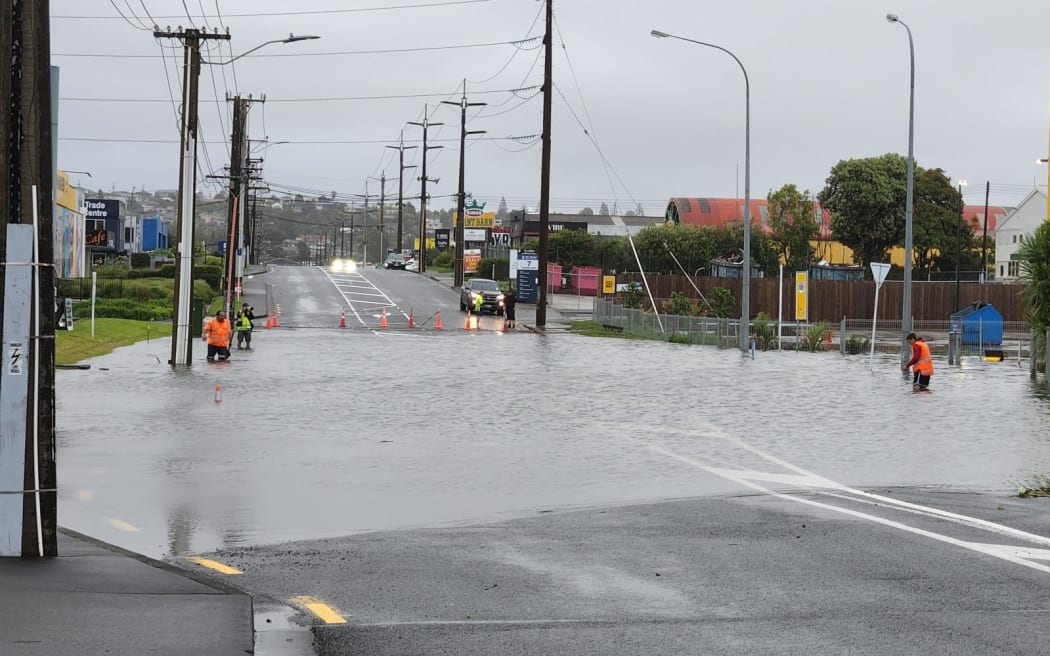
column 474, row 492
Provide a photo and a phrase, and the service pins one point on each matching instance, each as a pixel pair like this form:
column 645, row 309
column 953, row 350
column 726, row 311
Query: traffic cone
column 276, row 315
column 218, row 394
column 504, row 325
column 467, row 326
column 437, row 324
column 269, row 321
column 342, row 319
column 382, row 322
column 411, row 318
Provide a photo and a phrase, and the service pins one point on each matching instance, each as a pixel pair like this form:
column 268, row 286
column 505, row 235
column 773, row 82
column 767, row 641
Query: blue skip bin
column 980, row 324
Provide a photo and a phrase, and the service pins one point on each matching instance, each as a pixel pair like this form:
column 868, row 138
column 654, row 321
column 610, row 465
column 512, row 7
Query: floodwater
column 326, row 432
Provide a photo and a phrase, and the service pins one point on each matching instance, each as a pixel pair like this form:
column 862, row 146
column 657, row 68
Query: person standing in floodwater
column 921, row 363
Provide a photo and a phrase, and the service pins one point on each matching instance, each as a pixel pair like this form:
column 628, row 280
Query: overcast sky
column 829, row 81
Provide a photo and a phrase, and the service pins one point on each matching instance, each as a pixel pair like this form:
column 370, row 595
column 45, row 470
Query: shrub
column 765, row 329
column 681, row 305
column 123, row 308
column 815, row 335
column 719, row 304
column 496, row 267
column 444, row 259
column 632, row 296
column 140, row 260
column 856, row 345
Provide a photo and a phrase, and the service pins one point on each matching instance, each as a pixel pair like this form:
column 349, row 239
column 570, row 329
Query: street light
column 910, row 201
column 291, row 39
column 958, row 239
column 745, row 296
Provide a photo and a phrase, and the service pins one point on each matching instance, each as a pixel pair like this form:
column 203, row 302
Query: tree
column 502, row 210
column 571, row 248
column 604, row 211
column 792, row 227
column 938, row 207
column 866, row 198
column 587, row 212
column 1034, row 256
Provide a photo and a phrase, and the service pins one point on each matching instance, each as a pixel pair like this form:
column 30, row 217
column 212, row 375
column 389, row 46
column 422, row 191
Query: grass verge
column 72, row 346
column 596, row 329
column 1037, row 487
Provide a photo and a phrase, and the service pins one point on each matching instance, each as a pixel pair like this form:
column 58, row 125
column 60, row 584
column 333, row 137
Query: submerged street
column 430, row 479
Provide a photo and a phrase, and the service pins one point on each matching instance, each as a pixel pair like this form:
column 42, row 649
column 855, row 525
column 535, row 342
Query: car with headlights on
column 489, row 291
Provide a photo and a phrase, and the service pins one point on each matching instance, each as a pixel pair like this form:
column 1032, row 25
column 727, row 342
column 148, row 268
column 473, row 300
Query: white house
column 1022, row 221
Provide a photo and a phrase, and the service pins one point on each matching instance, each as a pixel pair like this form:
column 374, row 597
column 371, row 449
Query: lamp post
column 291, row 39
column 745, row 295
column 958, row 239
column 909, row 207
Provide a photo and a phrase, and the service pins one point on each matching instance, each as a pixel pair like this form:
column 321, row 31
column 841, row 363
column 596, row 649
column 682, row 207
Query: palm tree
column 1034, row 256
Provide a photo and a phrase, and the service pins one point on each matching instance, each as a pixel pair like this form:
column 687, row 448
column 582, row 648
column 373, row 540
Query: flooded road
column 327, row 432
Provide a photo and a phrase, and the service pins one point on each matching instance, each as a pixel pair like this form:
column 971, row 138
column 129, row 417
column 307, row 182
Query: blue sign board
column 222, row 248
column 528, row 277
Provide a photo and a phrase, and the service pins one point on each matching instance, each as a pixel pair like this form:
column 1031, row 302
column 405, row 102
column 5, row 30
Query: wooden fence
column 831, row 300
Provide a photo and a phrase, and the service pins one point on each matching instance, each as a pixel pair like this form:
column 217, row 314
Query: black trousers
column 220, row 352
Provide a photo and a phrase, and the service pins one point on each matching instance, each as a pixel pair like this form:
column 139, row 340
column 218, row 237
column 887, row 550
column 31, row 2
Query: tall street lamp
column 745, row 296
column 909, row 209
column 958, row 239
column 291, row 39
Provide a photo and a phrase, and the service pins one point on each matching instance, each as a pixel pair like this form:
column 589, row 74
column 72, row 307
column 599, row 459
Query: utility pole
column 984, row 232
column 238, row 154
column 461, row 195
column 545, row 166
column 181, row 339
column 401, row 148
column 426, row 124
column 28, row 479
column 382, row 215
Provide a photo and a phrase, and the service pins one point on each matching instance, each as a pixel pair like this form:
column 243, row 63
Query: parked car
column 491, row 295
column 395, row 261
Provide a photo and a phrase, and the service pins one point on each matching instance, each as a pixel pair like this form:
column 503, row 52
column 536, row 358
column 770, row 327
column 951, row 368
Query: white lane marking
column 345, row 299
column 820, row 481
column 389, row 302
column 997, row 551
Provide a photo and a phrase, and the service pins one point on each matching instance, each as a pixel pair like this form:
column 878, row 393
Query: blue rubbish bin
column 979, row 323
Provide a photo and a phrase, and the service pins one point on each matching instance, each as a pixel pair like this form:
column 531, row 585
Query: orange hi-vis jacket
column 924, row 364
column 218, row 334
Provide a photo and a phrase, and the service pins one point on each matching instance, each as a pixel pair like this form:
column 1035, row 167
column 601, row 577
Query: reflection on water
column 326, row 432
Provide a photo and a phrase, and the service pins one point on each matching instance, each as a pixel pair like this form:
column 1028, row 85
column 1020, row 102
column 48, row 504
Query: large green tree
column 866, row 198
column 937, row 221
column 792, row 226
column 571, row 248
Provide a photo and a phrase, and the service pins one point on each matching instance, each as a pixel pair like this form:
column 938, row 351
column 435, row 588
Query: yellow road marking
column 86, row 495
column 215, row 565
column 322, row 610
column 122, row 525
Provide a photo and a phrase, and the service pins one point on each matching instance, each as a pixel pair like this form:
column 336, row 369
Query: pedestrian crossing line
column 122, row 525
column 323, row 611
column 215, row 565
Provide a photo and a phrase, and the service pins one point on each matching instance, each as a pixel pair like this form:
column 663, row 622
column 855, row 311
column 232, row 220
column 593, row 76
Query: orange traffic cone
column 411, row 318
column 218, row 394
column 505, row 322
column 342, row 319
column 276, row 314
column 437, row 324
column 269, row 321
column 467, row 326
column 382, row 322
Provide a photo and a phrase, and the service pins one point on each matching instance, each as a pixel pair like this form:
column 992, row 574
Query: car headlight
column 337, row 265
column 350, row 265
column 499, row 297
column 474, row 295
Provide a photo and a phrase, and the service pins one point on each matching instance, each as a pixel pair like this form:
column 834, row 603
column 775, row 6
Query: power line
column 385, row 51
column 400, row 96
column 125, row 18
column 304, row 13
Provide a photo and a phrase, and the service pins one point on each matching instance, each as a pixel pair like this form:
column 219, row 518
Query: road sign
column 608, row 284
column 801, row 296
column 879, row 271
column 222, row 247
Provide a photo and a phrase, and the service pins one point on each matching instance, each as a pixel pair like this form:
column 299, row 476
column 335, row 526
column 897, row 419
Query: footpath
column 95, row 598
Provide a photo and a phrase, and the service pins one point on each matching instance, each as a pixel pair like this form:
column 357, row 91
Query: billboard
column 476, row 216
column 473, row 234
column 533, row 227
column 102, row 220
column 441, row 238
column 471, row 260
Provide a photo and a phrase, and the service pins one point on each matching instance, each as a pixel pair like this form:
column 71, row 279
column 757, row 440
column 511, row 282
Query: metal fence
column 849, row 336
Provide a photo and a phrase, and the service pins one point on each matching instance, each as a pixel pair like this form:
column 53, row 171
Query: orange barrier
column 467, row 325
column 437, row 324
column 382, row 322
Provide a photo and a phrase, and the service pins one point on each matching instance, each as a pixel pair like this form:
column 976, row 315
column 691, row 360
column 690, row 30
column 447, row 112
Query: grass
column 1037, row 487
column 596, row 329
column 76, row 345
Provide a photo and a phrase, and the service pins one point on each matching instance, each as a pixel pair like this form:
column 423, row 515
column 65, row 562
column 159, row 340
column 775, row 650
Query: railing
column 850, row 336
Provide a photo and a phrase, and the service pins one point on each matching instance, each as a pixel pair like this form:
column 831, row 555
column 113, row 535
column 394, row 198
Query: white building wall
column 1021, row 222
